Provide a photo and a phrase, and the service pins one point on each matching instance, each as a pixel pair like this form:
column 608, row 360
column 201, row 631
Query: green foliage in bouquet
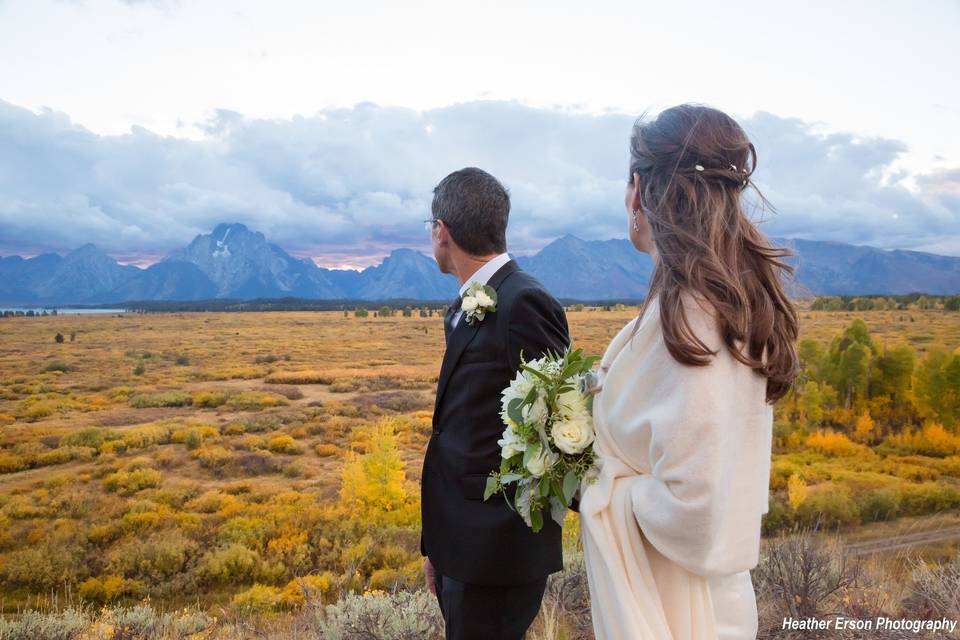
column 546, row 447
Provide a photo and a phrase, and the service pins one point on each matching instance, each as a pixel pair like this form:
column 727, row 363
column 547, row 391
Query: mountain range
column 235, row 262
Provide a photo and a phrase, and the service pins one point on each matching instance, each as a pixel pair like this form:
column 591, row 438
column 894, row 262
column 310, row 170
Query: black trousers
column 481, row 612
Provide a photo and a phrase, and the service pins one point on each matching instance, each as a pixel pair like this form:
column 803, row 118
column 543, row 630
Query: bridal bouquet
column 546, row 447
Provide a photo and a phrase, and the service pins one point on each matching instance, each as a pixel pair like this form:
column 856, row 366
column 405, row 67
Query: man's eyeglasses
column 431, row 223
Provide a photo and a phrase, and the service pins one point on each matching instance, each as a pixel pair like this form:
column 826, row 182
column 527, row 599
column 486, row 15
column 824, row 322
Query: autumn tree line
column 868, row 390
column 886, row 303
column 870, row 432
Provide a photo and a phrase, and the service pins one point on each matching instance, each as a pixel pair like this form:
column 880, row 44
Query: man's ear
column 443, row 234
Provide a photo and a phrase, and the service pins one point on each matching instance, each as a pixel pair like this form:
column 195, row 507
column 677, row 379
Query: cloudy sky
column 137, row 124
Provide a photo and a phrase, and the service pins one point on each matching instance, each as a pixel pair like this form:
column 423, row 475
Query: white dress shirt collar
column 484, row 273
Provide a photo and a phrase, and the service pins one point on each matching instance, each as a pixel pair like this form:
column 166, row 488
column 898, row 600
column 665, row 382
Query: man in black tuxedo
column 486, row 567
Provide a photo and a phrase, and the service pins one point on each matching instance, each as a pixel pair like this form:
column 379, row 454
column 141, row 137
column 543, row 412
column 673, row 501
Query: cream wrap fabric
column 671, row 526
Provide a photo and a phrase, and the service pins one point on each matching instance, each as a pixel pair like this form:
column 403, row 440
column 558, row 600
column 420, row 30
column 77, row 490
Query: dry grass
column 158, row 436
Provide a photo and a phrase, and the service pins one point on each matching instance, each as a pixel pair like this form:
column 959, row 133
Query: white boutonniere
column 478, row 301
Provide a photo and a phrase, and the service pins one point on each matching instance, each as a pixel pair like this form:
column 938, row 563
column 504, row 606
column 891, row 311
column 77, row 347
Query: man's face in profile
column 440, row 239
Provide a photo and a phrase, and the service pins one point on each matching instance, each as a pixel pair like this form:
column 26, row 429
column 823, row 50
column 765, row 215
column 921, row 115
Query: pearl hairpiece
column 699, row 167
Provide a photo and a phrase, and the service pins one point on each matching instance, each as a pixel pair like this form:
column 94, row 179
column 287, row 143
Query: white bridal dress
column 671, row 526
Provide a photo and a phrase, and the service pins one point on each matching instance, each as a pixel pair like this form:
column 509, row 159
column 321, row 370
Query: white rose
column 469, row 303
column 483, row 299
column 574, row 434
column 538, row 464
column 511, row 444
column 571, row 403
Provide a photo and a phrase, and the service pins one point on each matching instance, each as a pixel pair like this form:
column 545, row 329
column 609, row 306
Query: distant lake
column 64, row 311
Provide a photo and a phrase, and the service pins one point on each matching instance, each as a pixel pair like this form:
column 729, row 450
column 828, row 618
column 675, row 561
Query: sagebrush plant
column 137, row 622
column 803, row 575
column 935, row 589
column 35, row 625
column 405, row 615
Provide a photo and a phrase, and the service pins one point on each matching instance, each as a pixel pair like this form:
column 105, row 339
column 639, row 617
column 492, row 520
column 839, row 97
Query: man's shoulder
column 520, row 281
column 523, row 288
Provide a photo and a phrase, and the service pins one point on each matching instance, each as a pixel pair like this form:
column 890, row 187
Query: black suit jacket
column 467, row 538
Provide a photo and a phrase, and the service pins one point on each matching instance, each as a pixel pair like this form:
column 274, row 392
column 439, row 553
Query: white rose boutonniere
column 478, row 301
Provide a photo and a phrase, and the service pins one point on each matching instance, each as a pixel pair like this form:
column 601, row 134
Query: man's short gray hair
column 474, row 206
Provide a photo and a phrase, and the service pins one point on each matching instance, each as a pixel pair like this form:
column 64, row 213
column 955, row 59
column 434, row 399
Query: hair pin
column 698, row 167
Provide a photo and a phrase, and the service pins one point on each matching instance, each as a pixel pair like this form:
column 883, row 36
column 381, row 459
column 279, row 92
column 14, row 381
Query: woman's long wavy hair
column 694, row 163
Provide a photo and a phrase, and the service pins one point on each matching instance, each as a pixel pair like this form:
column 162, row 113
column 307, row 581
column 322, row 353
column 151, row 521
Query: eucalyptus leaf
column 514, row 412
column 558, row 511
column 536, row 520
column 570, row 483
column 523, row 498
column 491, row 488
column 556, row 488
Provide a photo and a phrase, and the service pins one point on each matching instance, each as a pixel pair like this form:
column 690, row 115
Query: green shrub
column 259, row 598
column 284, row 444
column 108, row 588
column 129, row 482
column 255, row 400
column 92, row 437
column 156, row 558
column 210, row 399
column 880, row 505
column 195, row 436
column 213, row 457
column 829, row 503
column 11, row 463
column 926, row 498
column 259, row 424
column 46, row 564
column 62, row 455
column 165, row 399
column 230, row 564
column 146, row 435
column 777, row 518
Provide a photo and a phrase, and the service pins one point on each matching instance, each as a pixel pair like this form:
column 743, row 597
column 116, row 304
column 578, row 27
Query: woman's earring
column 636, row 227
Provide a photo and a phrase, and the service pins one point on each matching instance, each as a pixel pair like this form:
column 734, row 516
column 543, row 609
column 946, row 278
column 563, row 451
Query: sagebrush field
column 197, row 472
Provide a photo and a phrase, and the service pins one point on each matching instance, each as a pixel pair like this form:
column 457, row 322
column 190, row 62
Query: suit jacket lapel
column 461, row 336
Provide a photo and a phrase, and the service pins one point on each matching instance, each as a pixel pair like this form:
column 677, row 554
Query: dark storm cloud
column 346, row 179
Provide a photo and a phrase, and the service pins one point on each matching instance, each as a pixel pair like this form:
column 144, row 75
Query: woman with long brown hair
column 671, row 527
